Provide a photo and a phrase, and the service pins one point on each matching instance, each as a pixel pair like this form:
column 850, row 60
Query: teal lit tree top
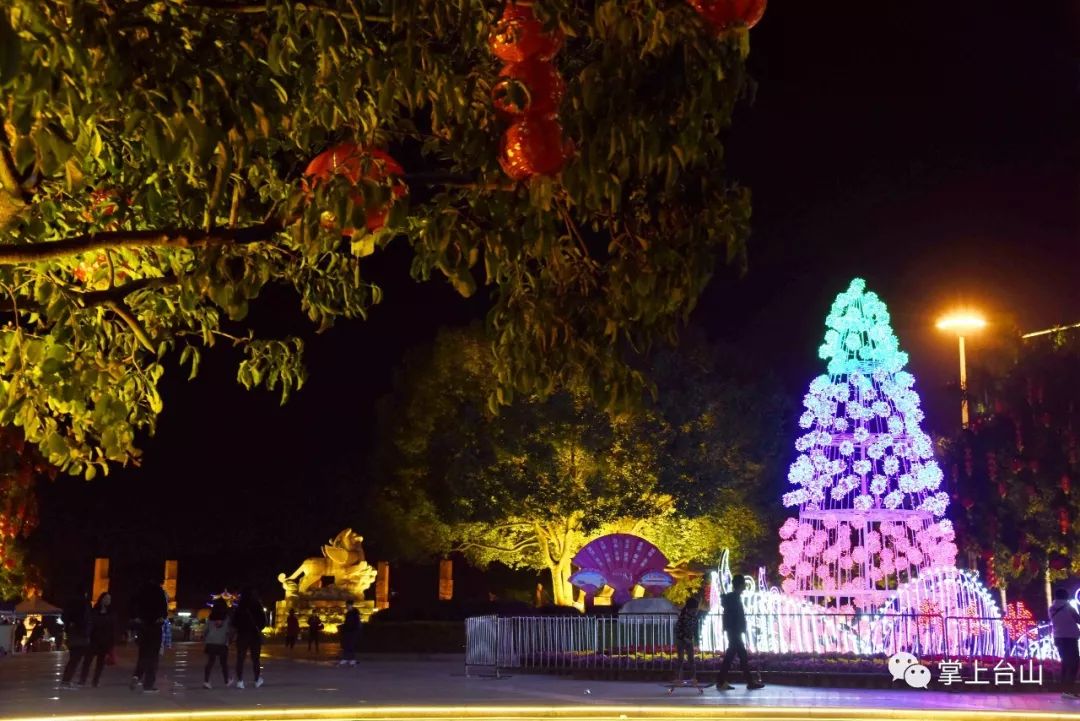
column 866, row 482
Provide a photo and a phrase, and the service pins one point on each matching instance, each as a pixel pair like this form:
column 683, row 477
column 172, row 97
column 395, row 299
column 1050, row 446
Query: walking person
column 350, row 634
column 292, row 629
column 219, row 632
column 151, row 610
column 1064, row 619
column 102, row 639
column 734, row 628
column 314, row 627
column 688, row 636
column 249, row 619
column 77, row 619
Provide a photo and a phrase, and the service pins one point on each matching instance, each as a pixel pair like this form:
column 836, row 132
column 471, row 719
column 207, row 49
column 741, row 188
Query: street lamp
column 961, row 323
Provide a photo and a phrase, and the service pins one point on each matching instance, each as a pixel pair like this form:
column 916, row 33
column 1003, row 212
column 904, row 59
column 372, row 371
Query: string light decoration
column 1019, row 621
column 871, row 515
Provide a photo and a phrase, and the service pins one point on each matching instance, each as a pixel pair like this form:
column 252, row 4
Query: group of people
column 349, row 631
column 242, row 624
column 688, row 637
column 90, row 633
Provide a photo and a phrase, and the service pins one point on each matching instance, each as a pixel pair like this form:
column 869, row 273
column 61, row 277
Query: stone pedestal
column 330, row 610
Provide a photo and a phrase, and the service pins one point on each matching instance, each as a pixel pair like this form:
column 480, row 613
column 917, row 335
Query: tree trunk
column 1001, row 590
column 562, row 591
column 1046, row 583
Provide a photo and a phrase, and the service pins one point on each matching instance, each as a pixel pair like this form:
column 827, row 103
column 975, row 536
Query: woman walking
column 218, row 632
column 250, row 620
column 102, row 638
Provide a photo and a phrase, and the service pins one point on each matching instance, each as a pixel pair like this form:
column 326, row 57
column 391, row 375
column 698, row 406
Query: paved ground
column 28, row 687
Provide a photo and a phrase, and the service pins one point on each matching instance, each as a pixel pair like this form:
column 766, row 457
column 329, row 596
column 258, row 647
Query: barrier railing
column 647, row 642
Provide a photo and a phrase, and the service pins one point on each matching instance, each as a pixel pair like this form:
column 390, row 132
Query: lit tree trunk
column 563, row 592
column 1046, row 584
column 1001, row 590
column 557, row 548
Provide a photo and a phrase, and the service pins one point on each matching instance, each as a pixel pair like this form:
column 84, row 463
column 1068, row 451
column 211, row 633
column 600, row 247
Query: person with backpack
column 102, row 638
column 249, row 619
column 76, row 618
column 688, row 636
column 219, row 632
column 151, row 608
column 1064, row 621
column 350, row 634
column 314, row 626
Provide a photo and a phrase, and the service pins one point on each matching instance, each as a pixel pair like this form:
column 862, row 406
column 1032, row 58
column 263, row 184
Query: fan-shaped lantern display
column 588, row 580
column 656, row 582
column 723, row 15
column 533, row 146
column 518, row 35
column 356, row 163
column 622, row 560
column 544, row 88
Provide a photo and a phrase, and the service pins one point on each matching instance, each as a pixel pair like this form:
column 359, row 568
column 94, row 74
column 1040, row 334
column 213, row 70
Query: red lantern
column 723, row 15
column 349, row 160
column 518, row 35
column 1058, row 563
column 1065, row 484
column 1002, row 490
column 1063, row 520
column 533, row 146
column 968, row 502
column 9, row 563
column 542, row 83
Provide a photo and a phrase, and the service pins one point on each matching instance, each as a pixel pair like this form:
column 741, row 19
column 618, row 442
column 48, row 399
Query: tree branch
column 170, row 238
column 260, row 8
column 136, row 327
column 501, row 549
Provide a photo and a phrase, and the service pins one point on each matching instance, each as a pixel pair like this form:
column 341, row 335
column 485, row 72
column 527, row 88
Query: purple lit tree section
column 871, row 516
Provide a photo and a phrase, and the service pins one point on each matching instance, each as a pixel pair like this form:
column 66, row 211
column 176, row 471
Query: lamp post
column 961, row 323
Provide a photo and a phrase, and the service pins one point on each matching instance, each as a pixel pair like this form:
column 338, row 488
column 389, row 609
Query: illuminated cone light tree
column 871, row 517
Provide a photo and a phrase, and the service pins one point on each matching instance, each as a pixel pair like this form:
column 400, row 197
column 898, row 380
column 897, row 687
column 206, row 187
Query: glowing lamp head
column 962, row 322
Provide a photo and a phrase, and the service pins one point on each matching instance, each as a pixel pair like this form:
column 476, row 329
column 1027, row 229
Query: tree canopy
column 152, row 187
column 1018, row 466
column 530, row 485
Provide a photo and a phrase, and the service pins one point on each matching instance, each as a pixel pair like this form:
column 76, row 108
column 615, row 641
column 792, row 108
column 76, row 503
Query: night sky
column 930, row 147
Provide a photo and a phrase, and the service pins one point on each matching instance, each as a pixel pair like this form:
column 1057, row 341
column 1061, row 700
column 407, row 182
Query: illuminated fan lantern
column 656, row 582
column 722, row 15
column 358, row 163
column 533, row 146
column 620, row 560
column 543, row 85
column 518, row 36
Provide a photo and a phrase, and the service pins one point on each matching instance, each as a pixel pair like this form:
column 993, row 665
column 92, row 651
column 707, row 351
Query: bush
column 413, row 637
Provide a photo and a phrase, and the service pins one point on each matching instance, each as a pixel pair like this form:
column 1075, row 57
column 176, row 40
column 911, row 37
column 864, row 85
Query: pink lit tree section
column 871, row 515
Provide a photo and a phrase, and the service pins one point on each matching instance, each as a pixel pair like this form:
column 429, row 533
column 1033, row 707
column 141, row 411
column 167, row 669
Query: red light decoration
column 1064, row 522
column 518, row 36
column 1019, row 621
column 349, row 160
column 542, row 82
column 722, row 15
column 533, row 146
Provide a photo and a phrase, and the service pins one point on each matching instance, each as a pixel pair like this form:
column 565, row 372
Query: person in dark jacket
column 350, row 635
column 151, row 610
column 102, row 638
column 249, row 618
column 688, row 636
column 292, row 629
column 734, row 628
column 77, row 619
column 314, row 627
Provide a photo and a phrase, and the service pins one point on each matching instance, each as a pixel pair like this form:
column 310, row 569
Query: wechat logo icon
column 906, row 666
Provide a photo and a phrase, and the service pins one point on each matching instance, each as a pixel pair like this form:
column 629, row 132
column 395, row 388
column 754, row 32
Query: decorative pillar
column 101, row 578
column 446, row 579
column 170, row 582
column 382, row 585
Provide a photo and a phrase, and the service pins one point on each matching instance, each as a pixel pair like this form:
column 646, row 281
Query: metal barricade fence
column 647, row 642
